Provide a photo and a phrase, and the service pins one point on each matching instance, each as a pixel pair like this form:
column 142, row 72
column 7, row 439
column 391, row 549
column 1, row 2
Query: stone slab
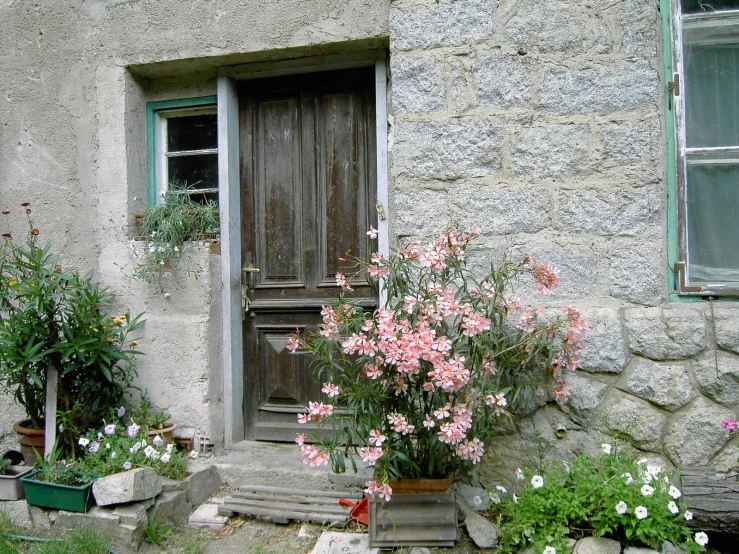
column 343, row 543
column 206, row 515
column 129, row 486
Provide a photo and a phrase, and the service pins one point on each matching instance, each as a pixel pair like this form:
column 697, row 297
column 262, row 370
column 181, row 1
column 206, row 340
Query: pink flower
column 300, row 438
column 330, row 390
column 376, row 437
column 378, row 489
column 546, row 277
column 312, row 456
column 371, row 454
column 372, row 233
column 293, row 342
column 399, row 424
column 730, row 424
column 562, row 392
column 474, row 324
column 342, row 282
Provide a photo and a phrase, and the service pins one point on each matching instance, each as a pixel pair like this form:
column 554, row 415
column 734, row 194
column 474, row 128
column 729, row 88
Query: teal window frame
column 671, row 45
column 152, row 109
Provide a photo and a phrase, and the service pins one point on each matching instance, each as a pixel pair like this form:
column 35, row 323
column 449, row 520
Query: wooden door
column 308, row 186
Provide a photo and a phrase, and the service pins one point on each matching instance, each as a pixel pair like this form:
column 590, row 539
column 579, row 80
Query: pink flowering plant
column 417, row 388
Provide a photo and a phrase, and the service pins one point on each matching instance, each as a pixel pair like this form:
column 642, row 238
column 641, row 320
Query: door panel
column 308, row 188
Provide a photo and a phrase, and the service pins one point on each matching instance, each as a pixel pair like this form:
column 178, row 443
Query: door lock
column 246, row 286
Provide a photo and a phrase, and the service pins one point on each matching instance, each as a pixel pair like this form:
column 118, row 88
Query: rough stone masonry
column 543, row 122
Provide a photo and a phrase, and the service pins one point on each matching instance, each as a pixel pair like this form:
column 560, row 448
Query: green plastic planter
column 60, row 497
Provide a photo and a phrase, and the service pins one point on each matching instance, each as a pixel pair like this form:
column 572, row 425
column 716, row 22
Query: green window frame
column 157, row 117
column 686, row 156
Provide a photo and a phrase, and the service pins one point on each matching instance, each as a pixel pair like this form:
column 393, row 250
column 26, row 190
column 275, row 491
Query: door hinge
column 674, row 88
column 380, row 212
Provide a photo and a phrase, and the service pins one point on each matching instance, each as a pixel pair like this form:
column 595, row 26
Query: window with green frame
column 183, row 148
column 704, row 89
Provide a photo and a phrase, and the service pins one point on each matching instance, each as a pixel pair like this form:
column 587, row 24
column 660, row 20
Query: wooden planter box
column 60, row 497
column 11, row 487
column 414, row 520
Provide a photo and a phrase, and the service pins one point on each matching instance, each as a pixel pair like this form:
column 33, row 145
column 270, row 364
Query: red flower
column 35, row 232
column 25, row 204
column 6, row 212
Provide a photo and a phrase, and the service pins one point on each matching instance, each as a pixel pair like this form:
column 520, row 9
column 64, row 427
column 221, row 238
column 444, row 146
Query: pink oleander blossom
column 374, row 488
column 546, row 278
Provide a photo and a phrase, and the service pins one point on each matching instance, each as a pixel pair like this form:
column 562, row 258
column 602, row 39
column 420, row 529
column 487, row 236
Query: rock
column 206, row 515
column 550, row 26
column 635, row 419
column 475, row 496
column 501, row 80
column 669, row 548
column 636, row 275
column 447, row 24
column 101, row 520
column 604, row 347
column 726, row 328
column 621, row 86
column 131, row 514
column 692, row 437
column 667, row 385
column 586, row 395
column 40, row 518
column 421, row 211
column 638, row 550
column 434, row 150
column 596, row 545
column 128, row 486
column 483, row 532
column 496, row 211
column 18, row 513
column 718, row 376
column 671, row 334
column 637, row 141
column 543, row 152
column 172, row 507
column 418, row 85
column 203, row 481
column 419, row 550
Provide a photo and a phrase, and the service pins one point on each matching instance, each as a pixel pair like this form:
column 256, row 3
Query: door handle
column 246, row 286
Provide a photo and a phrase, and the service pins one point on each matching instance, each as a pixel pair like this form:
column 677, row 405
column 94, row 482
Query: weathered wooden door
column 308, row 186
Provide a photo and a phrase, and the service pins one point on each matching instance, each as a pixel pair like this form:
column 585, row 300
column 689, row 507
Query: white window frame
column 718, row 26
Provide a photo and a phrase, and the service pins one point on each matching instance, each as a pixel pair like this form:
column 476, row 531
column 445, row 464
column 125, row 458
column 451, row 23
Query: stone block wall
column 543, row 121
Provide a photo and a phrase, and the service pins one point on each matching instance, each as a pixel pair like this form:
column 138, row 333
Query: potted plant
column 419, row 387
column 155, row 421
column 58, row 484
column 53, row 317
column 11, row 487
column 168, row 227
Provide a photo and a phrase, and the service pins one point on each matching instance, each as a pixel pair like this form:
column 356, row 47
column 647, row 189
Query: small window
column 184, row 153
column 706, row 92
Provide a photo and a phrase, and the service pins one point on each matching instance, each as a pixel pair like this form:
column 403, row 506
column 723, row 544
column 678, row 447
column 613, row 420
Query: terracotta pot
column 30, row 439
column 167, row 433
column 421, row 486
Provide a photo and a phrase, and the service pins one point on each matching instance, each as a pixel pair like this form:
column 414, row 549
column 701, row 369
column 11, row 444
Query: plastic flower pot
column 53, row 495
column 11, row 487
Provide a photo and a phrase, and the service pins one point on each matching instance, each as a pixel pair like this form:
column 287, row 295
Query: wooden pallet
column 280, row 505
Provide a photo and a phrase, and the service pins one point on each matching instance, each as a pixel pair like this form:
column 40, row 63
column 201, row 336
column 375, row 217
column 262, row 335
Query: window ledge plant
column 168, row 227
column 418, row 388
column 52, row 317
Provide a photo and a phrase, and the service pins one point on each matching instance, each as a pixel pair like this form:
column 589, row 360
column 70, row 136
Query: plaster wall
column 543, row 121
column 75, row 77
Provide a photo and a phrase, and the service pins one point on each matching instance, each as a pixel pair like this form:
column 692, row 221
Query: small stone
column 203, row 481
column 695, row 435
column 419, row 550
column 206, row 515
column 483, row 532
column 586, row 395
column 667, row 385
column 172, row 507
column 475, row 496
column 597, row 545
column 639, row 550
column 669, row 548
column 726, row 328
column 637, row 275
column 604, row 347
column 18, row 513
column 718, row 376
column 351, row 543
column 40, row 518
column 131, row 514
column 128, row 486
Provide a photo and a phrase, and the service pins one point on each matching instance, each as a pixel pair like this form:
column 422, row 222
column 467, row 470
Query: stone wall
column 543, row 122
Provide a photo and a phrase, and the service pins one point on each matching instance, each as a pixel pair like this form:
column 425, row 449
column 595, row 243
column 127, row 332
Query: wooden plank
column 285, row 514
column 338, row 510
column 318, row 494
column 714, row 501
column 289, row 498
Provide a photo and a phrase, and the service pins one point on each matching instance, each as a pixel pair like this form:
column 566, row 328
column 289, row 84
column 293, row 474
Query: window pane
column 195, row 172
column 192, row 132
column 707, row 6
column 713, row 240
column 712, row 94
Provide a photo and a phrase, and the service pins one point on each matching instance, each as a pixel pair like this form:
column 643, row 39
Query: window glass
column 713, row 205
column 196, row 172
column 711, row 95
column 706, row 6
column 192, row 132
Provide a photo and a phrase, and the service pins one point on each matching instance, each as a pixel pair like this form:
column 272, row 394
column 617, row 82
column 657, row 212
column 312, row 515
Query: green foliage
column 79, row 541
column 155, row 533
column 584, row 498
column 58, row 471
column 149, row 415
column 51, row 317
column 121, row 445
column 167, row 226
column 4, row 466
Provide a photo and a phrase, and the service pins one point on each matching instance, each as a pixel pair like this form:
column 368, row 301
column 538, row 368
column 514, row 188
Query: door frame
column 229, row 199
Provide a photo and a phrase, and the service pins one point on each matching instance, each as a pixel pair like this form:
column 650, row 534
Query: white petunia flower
column 674, row 492
column 701, row 538
column 629, row 478
column 165, row 457
column 606, row 448
column 193, row 454
column 519, row 474
column 502, row 489
column 646, row 490
column 621, row 508
column 83, row 442
column 515, row 498
column 549, row 550
column 640, row 512
column 673, row 507
column 688, row 515
column 537, row 481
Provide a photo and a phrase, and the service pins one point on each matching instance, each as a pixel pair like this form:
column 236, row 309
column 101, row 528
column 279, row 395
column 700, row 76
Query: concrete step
column 281, row 465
